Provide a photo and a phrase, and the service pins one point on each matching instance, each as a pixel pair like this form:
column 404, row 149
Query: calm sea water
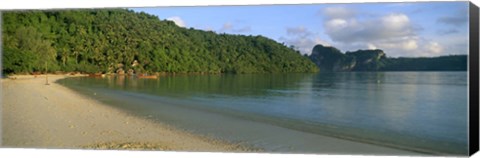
column 420, row 111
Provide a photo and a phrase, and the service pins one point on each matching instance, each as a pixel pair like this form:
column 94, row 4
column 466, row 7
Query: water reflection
column 405, row 108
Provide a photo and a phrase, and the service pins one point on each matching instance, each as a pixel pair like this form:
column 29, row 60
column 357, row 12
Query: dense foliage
column 331, row 59
column 442, row 63
column 111, row 40
column 368, row 60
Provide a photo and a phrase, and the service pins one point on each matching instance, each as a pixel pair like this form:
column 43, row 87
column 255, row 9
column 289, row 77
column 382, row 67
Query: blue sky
column 400, row 29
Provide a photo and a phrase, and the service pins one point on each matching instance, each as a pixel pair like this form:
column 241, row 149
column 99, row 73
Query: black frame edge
column 473, row 79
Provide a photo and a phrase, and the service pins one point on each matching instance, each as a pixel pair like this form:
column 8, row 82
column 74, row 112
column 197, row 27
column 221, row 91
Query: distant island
column 333, row 60
column 126, row 42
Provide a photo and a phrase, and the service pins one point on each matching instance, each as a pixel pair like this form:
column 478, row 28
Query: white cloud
column 453, row 43
column 394, row 33
column 177, row 20
column 409, row 45
column 302, row 39
column 354, row 30
column 337, row 24
column 433, row 48
column 396, row 22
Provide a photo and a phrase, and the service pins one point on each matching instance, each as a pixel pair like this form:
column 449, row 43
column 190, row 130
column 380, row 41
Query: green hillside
column 108, row 41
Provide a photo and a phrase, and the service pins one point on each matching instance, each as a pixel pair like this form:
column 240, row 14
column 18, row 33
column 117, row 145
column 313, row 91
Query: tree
column 103, row 40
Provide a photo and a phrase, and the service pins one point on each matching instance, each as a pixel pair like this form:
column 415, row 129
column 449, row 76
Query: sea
column 422, row 112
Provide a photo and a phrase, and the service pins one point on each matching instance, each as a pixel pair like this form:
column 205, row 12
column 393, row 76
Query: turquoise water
column 417, row 111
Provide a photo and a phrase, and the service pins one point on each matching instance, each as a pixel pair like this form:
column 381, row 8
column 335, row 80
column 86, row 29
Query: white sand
column 52, row 116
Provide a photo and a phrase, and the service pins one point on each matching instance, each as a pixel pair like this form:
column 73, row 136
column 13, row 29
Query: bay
column 415, row 111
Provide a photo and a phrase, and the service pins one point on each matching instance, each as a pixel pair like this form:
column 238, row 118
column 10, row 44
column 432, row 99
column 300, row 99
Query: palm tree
column 46, row 75
column 49, row 54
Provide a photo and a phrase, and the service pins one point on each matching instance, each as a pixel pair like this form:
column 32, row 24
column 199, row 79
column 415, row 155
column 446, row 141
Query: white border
column 52, row 4
column 70, row 153
column 70, row 4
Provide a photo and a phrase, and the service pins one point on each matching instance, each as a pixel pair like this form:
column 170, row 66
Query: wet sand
column 35, row 115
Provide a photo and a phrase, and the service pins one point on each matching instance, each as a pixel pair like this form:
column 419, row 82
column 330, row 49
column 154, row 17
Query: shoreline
column 83, row 116
column 35, row 115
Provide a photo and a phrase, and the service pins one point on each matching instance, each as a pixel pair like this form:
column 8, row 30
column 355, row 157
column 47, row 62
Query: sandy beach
column 35, row 115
